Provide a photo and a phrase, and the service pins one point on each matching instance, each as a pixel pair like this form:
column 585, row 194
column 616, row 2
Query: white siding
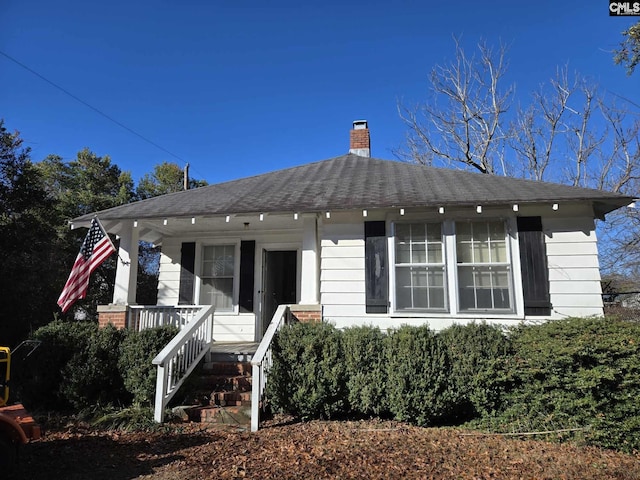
column 342, row 272
column 169, row 275
column 574, row 274
column 226, row 328
column 234, row 328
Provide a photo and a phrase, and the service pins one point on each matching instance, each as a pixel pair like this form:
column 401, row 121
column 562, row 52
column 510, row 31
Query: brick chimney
column 360, row 142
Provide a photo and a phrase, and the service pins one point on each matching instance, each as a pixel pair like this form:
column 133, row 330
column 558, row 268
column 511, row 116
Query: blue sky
column 241, row 88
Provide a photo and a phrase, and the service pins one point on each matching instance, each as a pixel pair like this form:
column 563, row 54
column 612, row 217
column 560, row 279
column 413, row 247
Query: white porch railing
column 181, row 355
column 262, row 362
column 142, row 317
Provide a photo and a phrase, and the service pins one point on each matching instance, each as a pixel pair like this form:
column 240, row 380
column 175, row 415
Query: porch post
column 124, row 291
column 310, row 278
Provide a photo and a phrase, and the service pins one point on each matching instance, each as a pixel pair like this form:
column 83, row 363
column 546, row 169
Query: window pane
column 218, row 261
column 496, row 231
column 484, row 288
column 418, row 232
column 481, row 252
column 420, row 299
column 498, row 251
column 434, row 232
column 465, row 254
column 403, row 232
column 434, row 253
column 403, row 288
column 436, row 297
column 403, row 253
column 418, row 253
column 217, row 292
column 419, row 277
column 463, row 231
column 418, row 285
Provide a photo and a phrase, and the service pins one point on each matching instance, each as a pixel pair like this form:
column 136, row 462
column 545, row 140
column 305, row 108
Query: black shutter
column 187, row 273
column 247, row 265
column 533, row 263
column 375, row 267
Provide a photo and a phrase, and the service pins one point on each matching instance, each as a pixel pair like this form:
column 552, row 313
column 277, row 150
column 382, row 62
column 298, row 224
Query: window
column 218, row 269
column 484, row 273
column 420, row 267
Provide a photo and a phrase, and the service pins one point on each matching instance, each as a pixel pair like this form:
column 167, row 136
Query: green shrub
column 364, row 358
column 577, row 373
column 478, row 353
column 418, row 371
column 136, row 354
column 91, row 376
column 44, row 382
column 308, row 374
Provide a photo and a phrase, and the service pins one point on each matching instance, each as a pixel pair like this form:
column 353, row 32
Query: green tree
column 28, row 243
column 165, row 178
column 83, row 185
column 629, row 52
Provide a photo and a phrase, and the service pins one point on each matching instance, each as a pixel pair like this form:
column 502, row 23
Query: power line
column 67, row 92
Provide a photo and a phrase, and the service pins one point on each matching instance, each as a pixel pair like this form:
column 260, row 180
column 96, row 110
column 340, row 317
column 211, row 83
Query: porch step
column 220, row 382
column 232, row 398
column 224, row 393
column 226, row 368
column 233, row 415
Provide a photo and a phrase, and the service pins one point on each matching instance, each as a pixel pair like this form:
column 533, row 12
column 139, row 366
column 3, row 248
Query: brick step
column 230, row 415
column 227, row 368
column 215, row 382
column 230, row 398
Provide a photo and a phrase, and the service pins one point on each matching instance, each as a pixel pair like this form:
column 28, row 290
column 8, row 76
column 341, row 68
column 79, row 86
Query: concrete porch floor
column 234, row 348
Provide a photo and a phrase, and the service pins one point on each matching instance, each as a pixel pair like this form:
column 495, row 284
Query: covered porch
column 271, row 259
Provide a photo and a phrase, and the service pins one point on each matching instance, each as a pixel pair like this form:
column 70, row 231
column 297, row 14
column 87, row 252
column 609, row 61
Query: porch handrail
column 262, row 362
column 141, row 317
column 181, row 355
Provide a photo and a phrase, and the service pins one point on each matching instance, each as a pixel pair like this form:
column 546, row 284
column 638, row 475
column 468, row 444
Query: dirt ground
column 315, row 450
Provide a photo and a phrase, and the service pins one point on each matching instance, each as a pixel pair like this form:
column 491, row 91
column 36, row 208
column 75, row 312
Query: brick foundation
column 307, row 313
column 115, row 315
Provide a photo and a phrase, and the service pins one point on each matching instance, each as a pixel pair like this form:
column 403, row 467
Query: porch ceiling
column 153, row 230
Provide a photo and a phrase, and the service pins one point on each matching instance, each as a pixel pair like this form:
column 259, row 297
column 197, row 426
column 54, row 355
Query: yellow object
column 5, row 371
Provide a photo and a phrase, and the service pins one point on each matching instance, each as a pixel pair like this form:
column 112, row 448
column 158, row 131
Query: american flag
column 95, row 249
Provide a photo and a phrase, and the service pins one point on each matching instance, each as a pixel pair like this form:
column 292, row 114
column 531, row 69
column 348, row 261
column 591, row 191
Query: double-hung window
column 453, row 266
column 483, row 266
column 217, row 277
column 420, row 267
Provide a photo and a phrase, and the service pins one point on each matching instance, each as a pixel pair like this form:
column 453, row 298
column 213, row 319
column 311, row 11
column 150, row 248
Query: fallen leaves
column 315, row 450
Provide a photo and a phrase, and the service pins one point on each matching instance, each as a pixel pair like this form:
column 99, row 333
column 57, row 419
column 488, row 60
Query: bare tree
column 534, row 131
column 463, row 123
column 570, row 131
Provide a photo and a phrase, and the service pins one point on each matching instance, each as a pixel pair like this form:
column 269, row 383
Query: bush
column 582, row 373
column 92, row 376
column 308, row 374
column 419, row 373
column 364, row 358
column 45, row 378
column 478, row 353
column 136, row 354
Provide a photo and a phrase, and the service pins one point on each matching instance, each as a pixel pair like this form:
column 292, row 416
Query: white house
column 357, row 240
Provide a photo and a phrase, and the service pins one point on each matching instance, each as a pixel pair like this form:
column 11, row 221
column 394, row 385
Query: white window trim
column 200, row 245
column 451, row 269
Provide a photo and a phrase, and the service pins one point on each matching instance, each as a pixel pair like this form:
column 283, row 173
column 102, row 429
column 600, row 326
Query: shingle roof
column 354, row 182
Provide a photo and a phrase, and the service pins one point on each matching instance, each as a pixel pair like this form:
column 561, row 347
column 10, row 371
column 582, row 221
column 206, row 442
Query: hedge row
column 576, row 375
column 411, row 374
column 79, row 366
